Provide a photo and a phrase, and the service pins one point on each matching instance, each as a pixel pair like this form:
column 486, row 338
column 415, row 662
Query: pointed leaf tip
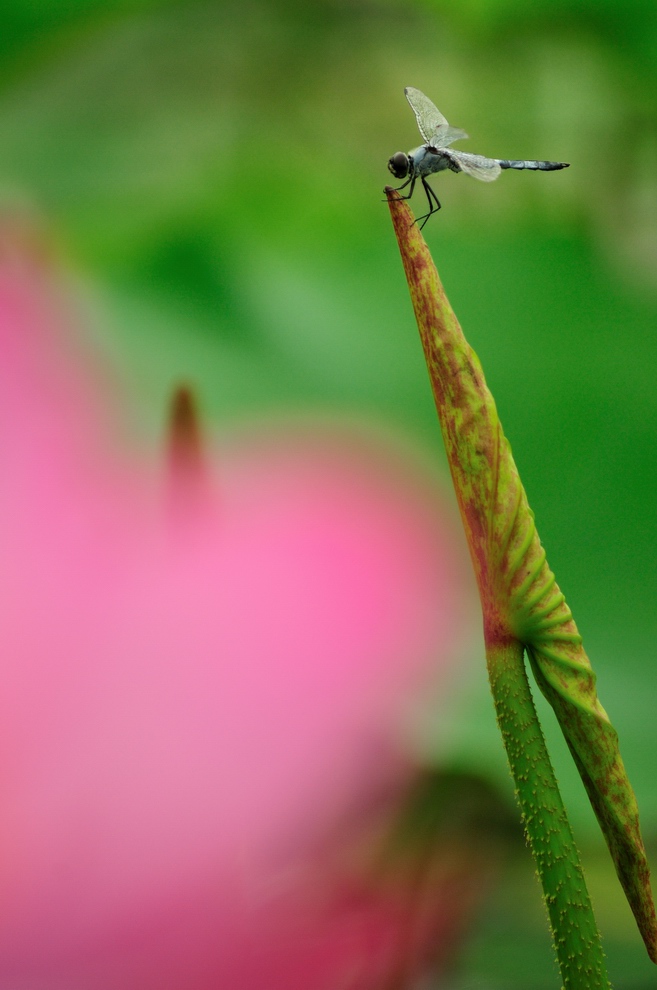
column 192, row 492
column 185, row 444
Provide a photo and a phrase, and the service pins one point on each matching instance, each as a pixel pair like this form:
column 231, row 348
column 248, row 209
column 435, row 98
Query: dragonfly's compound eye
column 398, row 165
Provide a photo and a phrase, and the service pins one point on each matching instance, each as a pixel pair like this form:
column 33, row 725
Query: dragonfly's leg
column 412, row 181
column 430, row 192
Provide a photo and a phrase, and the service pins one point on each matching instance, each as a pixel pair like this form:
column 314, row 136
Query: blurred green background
column 213, row 173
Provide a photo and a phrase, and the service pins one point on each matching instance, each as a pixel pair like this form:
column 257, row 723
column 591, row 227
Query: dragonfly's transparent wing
column 429, row 118
column 485, row 169
column 448, row 135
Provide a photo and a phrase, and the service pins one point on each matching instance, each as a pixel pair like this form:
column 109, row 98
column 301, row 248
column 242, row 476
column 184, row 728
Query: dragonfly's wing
column 485, row 169
column 429, row 118
column 448, row 135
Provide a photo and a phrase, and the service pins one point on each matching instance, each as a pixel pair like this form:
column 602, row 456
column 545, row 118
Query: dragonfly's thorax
column 426, row 161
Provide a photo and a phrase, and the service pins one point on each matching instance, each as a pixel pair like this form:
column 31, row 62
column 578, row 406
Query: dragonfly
column 436, row 155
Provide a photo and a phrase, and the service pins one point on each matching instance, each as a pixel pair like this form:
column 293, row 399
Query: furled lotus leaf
column 520, row 598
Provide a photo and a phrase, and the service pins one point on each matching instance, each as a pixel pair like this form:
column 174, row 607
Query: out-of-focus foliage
column 213, row 171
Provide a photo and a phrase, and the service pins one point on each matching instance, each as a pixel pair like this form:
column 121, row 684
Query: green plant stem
column 574, row 931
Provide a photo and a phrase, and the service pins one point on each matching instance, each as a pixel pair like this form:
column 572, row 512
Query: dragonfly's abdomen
column 543, row 166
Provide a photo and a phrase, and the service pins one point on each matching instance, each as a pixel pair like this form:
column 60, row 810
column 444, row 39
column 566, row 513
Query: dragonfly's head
column 398, row 165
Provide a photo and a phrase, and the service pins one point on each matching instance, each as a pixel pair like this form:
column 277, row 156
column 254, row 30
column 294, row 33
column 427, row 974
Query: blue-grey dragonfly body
column 435, row 155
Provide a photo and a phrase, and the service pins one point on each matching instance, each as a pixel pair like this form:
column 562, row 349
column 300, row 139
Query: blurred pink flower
column 199, row 679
